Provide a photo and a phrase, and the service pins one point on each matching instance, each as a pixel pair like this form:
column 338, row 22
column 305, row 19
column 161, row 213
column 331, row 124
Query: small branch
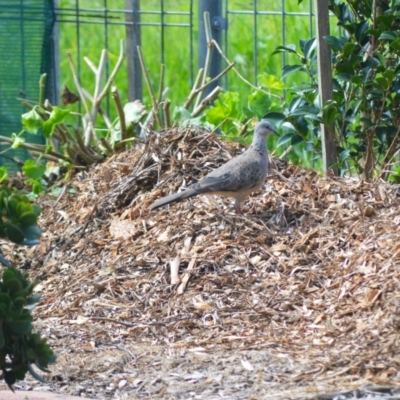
column 154, row 104
column 207, row 101
column 128, row 324
column 103, row 114
column 44, row 155
column 91, row 65
column 200, row 89
column 42, row 87
column 99, row 76
column 285, row 153
column 167, row 116
column 193, row 93
column 242, row 77
column 76, row 156
column 79, row 88
column 389, row 151
column 107, row 146
column 207, row 62
column 113, row 74
column 33, row 147
column 89, row 133
column 120, row 111
column 161, row 86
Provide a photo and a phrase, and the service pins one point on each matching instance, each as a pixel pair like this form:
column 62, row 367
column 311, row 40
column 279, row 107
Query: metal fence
column 169, row 32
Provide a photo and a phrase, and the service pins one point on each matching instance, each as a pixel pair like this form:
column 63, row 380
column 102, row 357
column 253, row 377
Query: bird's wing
column 236, row 180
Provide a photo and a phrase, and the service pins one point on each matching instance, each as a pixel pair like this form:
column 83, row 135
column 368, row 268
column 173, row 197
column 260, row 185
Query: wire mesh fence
column 26, row 52
column 168, row 31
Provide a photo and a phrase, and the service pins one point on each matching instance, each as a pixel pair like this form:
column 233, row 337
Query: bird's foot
column 238, row 210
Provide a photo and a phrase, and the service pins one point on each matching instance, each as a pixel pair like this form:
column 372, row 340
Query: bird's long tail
column 173, row 198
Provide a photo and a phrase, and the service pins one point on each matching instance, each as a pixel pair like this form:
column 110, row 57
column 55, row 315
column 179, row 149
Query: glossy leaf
column 290, row 48
column 284, row 139
column 388, row 35
column 334, row 43
column 290, row 69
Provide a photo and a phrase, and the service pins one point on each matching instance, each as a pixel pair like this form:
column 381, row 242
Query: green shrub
column 19, row 347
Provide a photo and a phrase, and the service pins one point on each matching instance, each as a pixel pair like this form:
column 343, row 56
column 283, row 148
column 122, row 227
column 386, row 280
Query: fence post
column 329, row 155
column 218, row 23
column 133, row 39
column 53, row 79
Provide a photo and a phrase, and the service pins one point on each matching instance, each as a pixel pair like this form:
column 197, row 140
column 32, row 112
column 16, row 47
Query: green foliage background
column 240, row 41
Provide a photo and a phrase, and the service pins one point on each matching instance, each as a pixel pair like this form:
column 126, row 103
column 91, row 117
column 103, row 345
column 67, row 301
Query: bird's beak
column 276, row 132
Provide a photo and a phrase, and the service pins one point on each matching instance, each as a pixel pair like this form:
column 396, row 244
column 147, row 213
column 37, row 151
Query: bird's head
column 264, row 128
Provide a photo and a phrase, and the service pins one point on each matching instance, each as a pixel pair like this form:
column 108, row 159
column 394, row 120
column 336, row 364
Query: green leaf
column 32, row 233
column 134, row 112
column 12, row 286
column 296, row 139
column 21, row 326
column 225, row 110
column 389, row 74
column 309, row 47
column 329, row 115
column 17, row 141
column 274, row 117
column 344, row 77
column 37, row 187
column 3, row 174
column 14, row 233
column 28, row 219
column 57, row 116
column 32, row 121
column 334, row 43
column 270, row 82
column 181, row 113
column 388, row 35
column 382, row 82
column 290, row 48
column 33, row 170
column 286, row 138
column 344, row 155
column 295, row 103
column 360, row 32
column 8, row 274
column 289, row 69
column 348, row 49
column 258, row 103
column 395, row 44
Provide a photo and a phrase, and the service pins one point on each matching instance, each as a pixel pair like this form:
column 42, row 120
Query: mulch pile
column 297, row 298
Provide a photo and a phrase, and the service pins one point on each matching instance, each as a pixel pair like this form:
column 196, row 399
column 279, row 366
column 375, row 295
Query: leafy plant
column 366, row 104
column 19, row 347
column 18, row 217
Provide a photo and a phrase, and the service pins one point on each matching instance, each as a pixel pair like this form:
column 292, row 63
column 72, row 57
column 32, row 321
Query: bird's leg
column 237, row 208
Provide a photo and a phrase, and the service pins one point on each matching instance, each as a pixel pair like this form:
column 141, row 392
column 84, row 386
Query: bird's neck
column 259, row 144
